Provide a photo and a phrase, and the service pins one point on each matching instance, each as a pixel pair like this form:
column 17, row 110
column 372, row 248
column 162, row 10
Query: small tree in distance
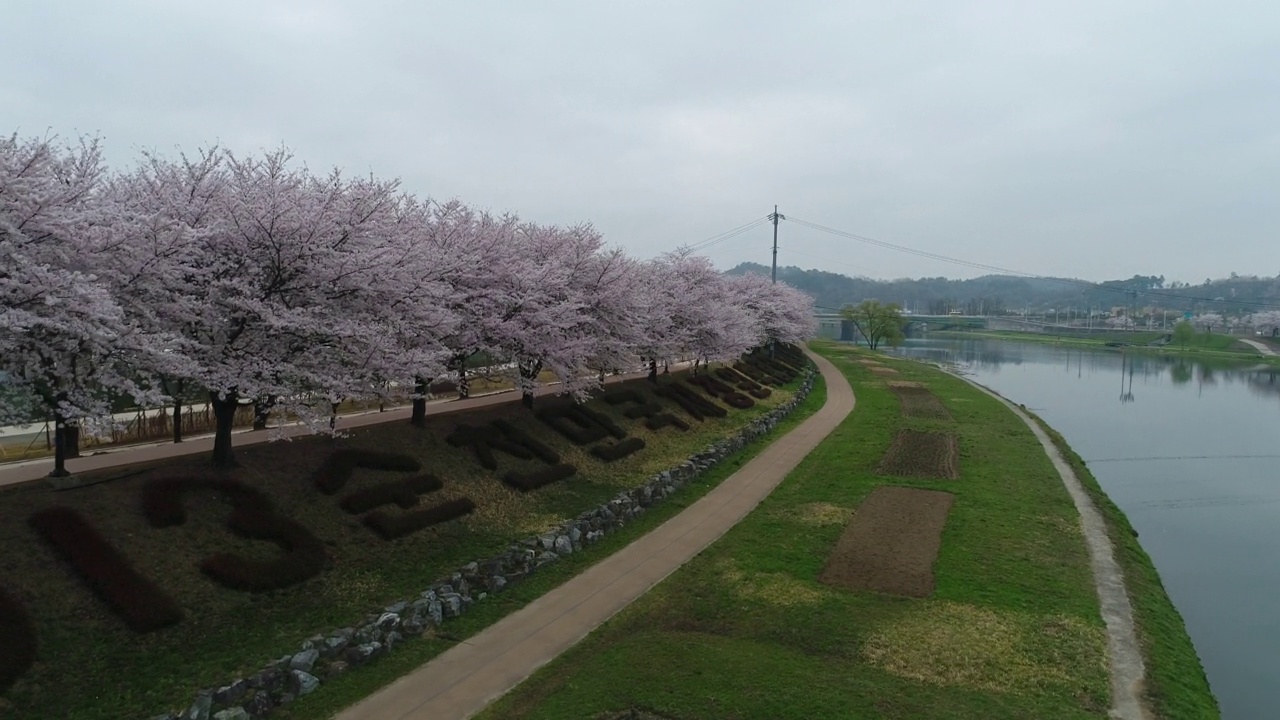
column 876, row 321
column 1183, row 332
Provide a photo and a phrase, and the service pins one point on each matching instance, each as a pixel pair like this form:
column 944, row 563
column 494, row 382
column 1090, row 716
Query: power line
column 717, row 239
column 1006, row 271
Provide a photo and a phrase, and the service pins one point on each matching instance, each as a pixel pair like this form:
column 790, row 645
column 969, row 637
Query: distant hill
column 993, row 294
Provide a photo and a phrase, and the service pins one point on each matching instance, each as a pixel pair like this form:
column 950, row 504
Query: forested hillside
column 996, row 294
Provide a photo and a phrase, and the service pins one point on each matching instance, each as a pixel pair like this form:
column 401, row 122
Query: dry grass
column 777, row 589
column 821, row 514
column 959, row 645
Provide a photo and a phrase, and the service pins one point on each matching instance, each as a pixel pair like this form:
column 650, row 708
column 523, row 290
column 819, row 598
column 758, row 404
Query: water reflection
column 1192, row 465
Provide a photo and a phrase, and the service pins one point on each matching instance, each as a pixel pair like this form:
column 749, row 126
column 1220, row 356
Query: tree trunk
column 262, row 411
column 333, row 416
column 176, row 394
column 653, row 371
column 666, row 368
column 529, row 373
column 177, row 418
column 696, row 363
column 420, row 387
column 59, row 446
column 71, row 439
column 224, row 413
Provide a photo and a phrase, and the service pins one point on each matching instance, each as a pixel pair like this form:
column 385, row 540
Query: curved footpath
column 1124, row 655
column 1264, row 349
column 462, row 681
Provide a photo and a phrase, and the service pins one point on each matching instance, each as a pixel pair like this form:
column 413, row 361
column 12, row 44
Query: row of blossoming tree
column 252, row 277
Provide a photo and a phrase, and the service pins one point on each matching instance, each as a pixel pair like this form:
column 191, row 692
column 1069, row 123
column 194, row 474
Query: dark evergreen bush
column 618, row 450
column 253, row 517
column 303, row 557
column 336, row 471
column 137, row 600
column 657, row 421
column 571, row 422
column 390, row 527
column 17, row 640
column 403, row 492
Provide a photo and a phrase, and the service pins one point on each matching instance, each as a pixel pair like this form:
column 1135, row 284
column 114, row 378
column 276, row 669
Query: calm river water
column 1190, row 452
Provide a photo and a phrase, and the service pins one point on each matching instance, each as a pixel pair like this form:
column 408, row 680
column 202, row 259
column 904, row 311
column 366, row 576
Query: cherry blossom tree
column 64, row 340
column 273, row 288
column 1266, row 321
column 1208, row 321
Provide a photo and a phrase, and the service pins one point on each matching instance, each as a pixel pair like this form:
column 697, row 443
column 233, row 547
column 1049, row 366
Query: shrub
column 336, row 471
column 17, row 637
column 390, row 527
column 524, row 482
column 760, row 393
column 162, row 497
column 569, row 421
column 737, row 400
column 710, row 384
column 399, row 492
column 253, row 517
column 138, row 601
column 543, row 451
column 644, row 410
column 657, row 421
column 623, row 396
column 752, row 372
column 692, row 403
column 618, row 450
column 603, row 421
column 303, row 558
column 484, row 440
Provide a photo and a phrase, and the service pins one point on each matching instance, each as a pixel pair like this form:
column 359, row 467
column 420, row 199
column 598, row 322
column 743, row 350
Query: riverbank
column 763, row 623
column 1211, row 347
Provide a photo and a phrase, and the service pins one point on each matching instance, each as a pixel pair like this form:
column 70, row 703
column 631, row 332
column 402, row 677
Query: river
column 1191, row 453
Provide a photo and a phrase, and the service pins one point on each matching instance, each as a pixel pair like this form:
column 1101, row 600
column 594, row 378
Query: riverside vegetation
column 1012, row 630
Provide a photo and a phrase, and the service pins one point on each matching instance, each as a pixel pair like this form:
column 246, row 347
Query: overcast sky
column 1092, row 139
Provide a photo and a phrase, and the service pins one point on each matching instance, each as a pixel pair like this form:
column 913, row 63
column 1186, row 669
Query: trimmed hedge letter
column 138, row 601
column 17, row 640
column 253, row 517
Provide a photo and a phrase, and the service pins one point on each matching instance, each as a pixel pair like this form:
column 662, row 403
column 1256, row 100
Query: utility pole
column 775, row 217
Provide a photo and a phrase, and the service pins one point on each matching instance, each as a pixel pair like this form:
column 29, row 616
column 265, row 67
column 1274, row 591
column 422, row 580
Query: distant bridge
column 831, row 324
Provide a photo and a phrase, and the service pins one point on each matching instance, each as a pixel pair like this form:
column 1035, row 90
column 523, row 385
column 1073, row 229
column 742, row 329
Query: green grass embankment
column 1202, row 345
column 747, row 631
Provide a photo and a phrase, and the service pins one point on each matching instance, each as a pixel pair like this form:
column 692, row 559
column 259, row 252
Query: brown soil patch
column 870, row 363
column 882, row 370
column 923, row 455
column 891, row 543
column 918, row 402
column 904, row 384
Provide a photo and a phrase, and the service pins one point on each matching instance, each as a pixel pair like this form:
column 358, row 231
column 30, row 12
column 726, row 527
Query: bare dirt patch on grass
column 891, row 543
column 919, row 454
column 959, row 645
column 883, row 371
column 918, row 401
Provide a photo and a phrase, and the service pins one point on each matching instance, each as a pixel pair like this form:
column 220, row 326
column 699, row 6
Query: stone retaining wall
column 322, row 657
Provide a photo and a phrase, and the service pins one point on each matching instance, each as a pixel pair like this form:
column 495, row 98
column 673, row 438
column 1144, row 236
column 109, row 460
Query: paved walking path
column 28, row 470
column 1260, row 347
column 466, row 678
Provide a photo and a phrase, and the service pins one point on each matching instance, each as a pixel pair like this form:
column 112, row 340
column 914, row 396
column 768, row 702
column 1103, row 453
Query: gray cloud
column 1093, row 139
